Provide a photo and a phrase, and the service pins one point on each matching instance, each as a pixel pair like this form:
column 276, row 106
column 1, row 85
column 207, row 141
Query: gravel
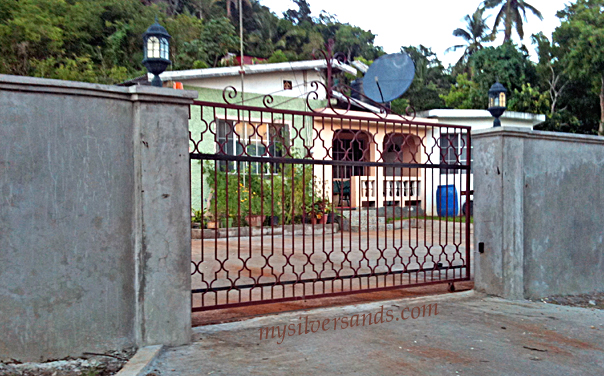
column 107, row 364
column 595, row 300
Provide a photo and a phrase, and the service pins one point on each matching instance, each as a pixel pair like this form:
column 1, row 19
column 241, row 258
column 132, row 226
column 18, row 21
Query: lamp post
column 497, row 102
column 156, row 46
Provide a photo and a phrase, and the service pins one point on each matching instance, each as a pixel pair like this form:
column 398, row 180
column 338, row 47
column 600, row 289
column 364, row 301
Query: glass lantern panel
column 164, row 49
column 153, row 48
column 502, row 99
column 491, row 102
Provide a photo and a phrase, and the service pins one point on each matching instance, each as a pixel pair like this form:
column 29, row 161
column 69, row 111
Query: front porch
column 383, row 161
column 372, row 192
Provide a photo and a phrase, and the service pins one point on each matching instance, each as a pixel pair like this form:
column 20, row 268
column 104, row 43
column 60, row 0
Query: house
column 288, row 86
column 288, row 79
column 356, row 138
column 359, row 138
column 432, row 138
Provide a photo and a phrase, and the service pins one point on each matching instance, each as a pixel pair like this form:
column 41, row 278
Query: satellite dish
column 389, row 77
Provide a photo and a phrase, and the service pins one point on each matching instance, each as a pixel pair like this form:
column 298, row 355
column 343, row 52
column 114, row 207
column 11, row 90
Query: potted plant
column 318, row 211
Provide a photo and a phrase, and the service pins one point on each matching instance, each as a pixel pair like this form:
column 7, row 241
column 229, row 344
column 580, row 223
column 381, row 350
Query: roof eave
column 206, row 73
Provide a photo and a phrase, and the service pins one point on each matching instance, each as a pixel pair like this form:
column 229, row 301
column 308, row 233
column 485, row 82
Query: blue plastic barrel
column 446, row 201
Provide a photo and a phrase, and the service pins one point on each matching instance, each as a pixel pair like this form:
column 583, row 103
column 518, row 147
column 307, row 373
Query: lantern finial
column 497, row 102
column 156, row 47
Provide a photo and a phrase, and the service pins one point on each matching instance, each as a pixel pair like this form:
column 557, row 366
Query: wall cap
column 131, row 93
column 540, row 135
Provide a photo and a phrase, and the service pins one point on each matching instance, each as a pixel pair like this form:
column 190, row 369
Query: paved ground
column 268, row 259
column 220, row 316
column 470, row 335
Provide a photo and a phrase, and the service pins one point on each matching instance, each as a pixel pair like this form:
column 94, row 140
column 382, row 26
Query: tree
column 204, row 8
column 528, row 99
column 581, row 34
column 506, row 64
column 231, row 3
column 100, row 40
column 354, row 41
column 510, row 14
column 551, row 69
column 465, row 94
column 475, row 33
column 430, row 80
column 300, row 16
column 218, row 38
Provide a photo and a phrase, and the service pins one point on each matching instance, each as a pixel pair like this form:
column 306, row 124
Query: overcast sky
column 429, row 22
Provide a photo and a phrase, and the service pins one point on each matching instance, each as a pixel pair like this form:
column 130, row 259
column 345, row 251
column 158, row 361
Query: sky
column 429, row 22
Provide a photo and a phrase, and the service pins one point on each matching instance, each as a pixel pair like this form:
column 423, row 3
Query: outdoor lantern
column 156, row 46
column 497, row 102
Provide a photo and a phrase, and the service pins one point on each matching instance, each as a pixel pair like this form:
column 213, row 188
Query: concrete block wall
column 94, row 218
column 539, row 210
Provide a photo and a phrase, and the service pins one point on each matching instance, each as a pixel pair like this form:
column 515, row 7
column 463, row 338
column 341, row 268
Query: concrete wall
column 94, row 218
column 539, row 209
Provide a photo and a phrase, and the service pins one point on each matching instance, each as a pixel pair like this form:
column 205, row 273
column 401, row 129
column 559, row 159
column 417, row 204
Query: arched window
column 353, row 146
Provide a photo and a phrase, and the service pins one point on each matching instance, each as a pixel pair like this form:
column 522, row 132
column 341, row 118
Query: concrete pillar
column 538, row 210
column 498, row 212
column 162, row 230
column 94, row 218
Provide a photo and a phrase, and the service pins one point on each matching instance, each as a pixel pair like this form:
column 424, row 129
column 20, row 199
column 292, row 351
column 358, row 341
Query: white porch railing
column 395, row 190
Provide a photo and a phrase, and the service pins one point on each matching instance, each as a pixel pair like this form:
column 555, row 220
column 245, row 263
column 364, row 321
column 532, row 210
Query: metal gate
column 299, row 204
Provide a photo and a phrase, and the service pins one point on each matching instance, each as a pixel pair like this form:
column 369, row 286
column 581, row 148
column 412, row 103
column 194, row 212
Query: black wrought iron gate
column 304, row 204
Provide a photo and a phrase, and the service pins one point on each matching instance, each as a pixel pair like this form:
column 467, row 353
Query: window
column 452, row 152
column 252, row 140
column 352, row 146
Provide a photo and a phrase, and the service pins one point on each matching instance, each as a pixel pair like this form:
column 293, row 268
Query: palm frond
column 498, row 19
column 462, row 34
column 519, row 25
column 534, row 10
column 454, row 48
column 489, row 4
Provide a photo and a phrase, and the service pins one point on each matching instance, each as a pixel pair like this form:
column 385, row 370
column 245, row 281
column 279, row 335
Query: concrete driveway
column 470, row 335
column 248, row 260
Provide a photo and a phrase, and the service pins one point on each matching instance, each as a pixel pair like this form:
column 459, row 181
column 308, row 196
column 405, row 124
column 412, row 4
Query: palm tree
column 475, row 33
column 510, row 14
column 203, row 7
column 236, row 2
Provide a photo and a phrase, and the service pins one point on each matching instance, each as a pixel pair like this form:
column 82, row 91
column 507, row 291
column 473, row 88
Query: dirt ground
column 594, row 301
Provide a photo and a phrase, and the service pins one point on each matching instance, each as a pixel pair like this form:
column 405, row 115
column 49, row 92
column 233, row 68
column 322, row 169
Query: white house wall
column 267, row 83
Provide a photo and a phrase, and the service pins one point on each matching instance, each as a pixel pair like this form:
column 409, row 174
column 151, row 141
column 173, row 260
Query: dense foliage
column 100, row 40
column 566, row 84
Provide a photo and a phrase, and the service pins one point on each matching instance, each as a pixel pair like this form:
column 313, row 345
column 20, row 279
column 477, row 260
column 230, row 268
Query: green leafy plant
column 200, row 216
column 289, row 191
column 254, row 196
column 224, row 189
column 236, row 195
